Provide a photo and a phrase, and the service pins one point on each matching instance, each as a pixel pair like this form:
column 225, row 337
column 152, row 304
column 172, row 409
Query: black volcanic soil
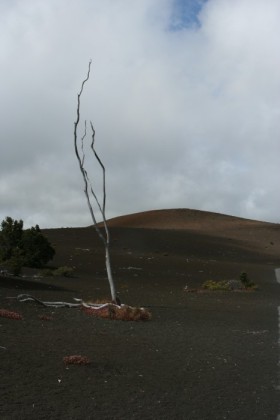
column 210, row 355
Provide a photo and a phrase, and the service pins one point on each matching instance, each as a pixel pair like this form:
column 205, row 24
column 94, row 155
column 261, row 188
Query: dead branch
column 80, row 302
column 102, row 310
column 88, row 189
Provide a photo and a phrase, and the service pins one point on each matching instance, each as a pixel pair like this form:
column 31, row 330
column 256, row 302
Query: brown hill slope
column 182, row 219
column 261, row 234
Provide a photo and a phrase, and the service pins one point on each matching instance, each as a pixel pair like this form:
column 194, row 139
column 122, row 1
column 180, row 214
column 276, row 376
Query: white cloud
column 183, row 118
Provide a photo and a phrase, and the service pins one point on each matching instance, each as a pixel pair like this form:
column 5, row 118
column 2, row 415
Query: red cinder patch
column 122, row 313
column 76, row 359
column 4, row 313
column 45, row 317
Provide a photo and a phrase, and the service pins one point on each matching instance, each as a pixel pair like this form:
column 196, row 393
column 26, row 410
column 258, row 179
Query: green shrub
column 63, row 271
column 47, row 272
column 15, row 262
column 242, row 284
column 36, row 247
column 18, row 247
column 216, row 285
column 60, row 271
column 243, row 277
column 246, row 281
column 10, row 237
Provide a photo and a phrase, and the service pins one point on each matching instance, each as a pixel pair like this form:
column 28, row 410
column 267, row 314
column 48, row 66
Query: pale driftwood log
column 112, row 310
column 89, row 191
column 79, row 303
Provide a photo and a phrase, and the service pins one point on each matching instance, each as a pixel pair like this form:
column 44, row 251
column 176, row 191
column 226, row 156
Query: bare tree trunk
column 89, row 191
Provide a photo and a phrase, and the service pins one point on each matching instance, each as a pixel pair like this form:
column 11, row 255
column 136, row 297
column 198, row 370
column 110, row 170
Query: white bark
column 80, row 303
column 109, row 274
column 89, row 191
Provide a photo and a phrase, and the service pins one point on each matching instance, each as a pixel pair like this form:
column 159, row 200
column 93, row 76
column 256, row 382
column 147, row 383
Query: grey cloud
column 185, row 118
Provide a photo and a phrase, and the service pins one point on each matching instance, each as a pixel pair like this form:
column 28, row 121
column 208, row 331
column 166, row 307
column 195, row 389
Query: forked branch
column 88, row 188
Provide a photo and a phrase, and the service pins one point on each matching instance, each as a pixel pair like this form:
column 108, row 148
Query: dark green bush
column 15, row 262
column 10, row 237
column 245, row 280
column 18, row 247
column 36, row 248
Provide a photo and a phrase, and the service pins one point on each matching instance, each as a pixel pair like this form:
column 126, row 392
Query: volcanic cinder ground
column 210, row 355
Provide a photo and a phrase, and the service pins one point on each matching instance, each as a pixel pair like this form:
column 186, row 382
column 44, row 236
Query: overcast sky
column 184, row 96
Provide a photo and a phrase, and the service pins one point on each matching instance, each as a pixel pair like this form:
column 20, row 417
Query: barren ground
column 210, row 355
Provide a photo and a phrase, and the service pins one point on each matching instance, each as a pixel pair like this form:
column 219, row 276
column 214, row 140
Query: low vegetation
column 63, row 271
column 244, row 283
column 241, row 284
column 247, row 283
column 23, row 248
column 216, row 285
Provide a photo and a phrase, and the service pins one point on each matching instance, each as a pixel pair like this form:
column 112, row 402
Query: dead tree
column 89, row 190
column 114, row 310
